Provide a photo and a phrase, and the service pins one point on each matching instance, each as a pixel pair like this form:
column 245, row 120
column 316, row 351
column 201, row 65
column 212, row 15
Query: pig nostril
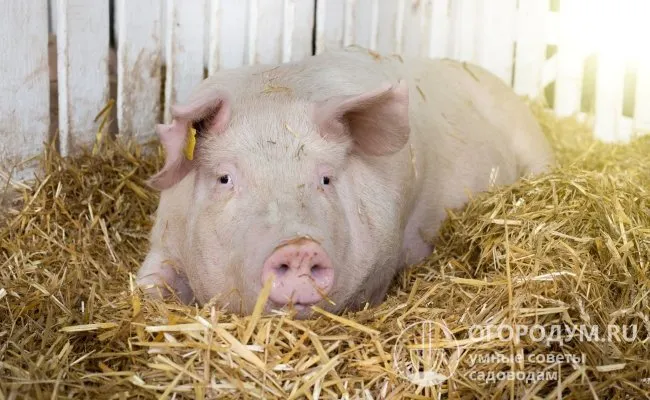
column 317, row 271
column 282, row 269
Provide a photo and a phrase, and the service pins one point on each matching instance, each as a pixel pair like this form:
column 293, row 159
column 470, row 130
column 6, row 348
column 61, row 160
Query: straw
column 570, row 248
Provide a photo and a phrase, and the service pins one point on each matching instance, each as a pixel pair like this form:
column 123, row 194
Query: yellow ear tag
column 190, row 143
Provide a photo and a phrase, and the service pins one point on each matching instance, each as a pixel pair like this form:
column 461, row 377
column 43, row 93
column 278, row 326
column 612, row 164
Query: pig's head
column 270, row 197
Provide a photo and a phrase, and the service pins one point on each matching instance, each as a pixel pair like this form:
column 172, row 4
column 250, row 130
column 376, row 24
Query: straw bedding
column 570, row 248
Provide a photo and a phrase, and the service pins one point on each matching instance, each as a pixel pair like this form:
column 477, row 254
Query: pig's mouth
column 295, row 301
column 301, row 310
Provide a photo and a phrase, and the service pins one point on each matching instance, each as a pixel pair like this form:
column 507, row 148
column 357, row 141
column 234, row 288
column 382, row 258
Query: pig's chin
column 298, row 311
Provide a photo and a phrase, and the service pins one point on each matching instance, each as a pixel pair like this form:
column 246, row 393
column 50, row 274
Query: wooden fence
column 584, row 55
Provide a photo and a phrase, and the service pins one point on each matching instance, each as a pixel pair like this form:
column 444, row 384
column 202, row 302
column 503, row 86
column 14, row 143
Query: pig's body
column 467, row 129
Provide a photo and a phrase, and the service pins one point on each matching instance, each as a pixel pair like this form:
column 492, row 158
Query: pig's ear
column 377, row 121
column 173, row 138
column 208, row 115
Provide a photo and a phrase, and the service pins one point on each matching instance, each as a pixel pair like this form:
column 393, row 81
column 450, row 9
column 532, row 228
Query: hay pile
column 569, row 249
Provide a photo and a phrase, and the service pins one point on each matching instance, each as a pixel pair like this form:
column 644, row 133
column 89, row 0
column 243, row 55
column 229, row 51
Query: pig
column 323, row 178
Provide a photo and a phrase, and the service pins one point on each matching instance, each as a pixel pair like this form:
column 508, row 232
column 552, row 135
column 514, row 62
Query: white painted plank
column 463, row 24
column 349, row 15
column 267, row 18
column 139, row 60
column 570, row 59
column 389, row 27
column 229, row 26
column 414, row 29
column 551, row 25
column 439, row 11
column 213, row 22
column 642, row 101
column 184, row 42
column 207, row 28
column 531, row 47
column 365, row 26
column 549, row 73
column 24, row 106
column 610, row 81
column 495, row 36
column 298, row 29
column 626, row 129
column 163, row 27
column 82, row 31
column 330, row 24
column 321, row 29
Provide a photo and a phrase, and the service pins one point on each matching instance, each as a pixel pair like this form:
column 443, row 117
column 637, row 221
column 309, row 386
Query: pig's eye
column 325, row 180
column 225, row 179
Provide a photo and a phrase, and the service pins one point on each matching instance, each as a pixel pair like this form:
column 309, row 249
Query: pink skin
column 352, row 168
column 255, row 186
column 302, row 273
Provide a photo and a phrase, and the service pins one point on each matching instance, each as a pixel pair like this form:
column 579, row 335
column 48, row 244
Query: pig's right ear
column 208, row 115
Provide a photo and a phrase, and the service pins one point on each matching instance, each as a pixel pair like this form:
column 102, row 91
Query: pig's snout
column 303, row 273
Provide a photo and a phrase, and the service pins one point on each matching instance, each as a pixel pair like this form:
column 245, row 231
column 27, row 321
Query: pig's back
column 443, row 94
column 480, row 107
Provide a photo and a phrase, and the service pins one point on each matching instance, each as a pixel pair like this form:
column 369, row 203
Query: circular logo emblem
column 426, row 353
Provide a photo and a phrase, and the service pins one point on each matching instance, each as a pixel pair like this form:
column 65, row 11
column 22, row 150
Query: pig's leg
column 373, row 290
column 420, row 230
column 157, row 272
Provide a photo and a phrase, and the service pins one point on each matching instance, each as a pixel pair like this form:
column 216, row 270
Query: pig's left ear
column 208, row 114
column 376, row 121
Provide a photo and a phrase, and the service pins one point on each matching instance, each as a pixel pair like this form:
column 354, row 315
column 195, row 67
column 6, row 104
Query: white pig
column 328, row 175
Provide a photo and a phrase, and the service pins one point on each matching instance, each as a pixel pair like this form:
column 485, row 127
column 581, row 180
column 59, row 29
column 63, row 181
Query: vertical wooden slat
column 495, row 36
column 82, row 41
column 363, row 22
column 388, row 27
column 184, row 41
column 213, row 21
column 207, row 27
column 270, row 23
column 439, row 11
column 463, row 24
column 642, row 100
column 24, row 82
column 138, row 66
column 251, row 33
column 349, row 22
column 229, row 27
column 289, row 26
column 414, row 28
column 570, row 59
column 610, row 81
column 298, row 29
column 163, row 28
column 321, row 18
column 330, row 24
column 531, row 47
